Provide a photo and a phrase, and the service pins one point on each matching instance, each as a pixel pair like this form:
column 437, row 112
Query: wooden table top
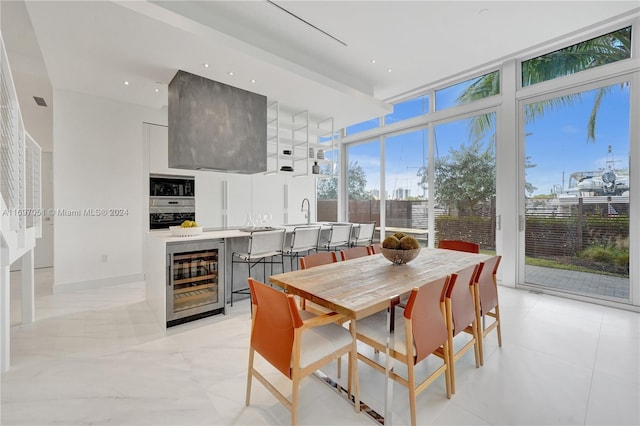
column 360, row 287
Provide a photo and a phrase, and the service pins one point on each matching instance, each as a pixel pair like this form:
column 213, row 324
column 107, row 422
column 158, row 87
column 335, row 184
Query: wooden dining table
column 361, row 287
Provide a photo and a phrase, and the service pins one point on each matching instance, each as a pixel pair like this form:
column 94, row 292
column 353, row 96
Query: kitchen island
column 166, row 257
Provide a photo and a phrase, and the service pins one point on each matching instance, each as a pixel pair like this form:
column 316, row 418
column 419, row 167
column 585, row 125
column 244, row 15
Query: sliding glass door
column 576, row 188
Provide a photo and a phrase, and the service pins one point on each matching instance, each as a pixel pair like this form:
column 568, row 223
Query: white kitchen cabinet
column 158, row 148
column 239, row 198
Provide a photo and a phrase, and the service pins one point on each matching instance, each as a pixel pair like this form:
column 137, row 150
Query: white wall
column 101, row 159
column 43, row 254
column 97, row 164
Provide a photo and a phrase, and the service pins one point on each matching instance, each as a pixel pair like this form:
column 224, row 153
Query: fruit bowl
column 179, row 231
column 400, row 257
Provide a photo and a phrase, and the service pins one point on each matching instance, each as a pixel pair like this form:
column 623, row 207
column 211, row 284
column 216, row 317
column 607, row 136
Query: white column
column 28, row 288
column 5, row 316
column 508, row 160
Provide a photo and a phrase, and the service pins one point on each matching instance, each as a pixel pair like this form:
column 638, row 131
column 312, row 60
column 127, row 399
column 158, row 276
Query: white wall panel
column 97, row 164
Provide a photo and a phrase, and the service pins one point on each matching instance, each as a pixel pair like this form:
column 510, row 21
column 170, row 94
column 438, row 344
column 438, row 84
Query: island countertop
column 231, row 232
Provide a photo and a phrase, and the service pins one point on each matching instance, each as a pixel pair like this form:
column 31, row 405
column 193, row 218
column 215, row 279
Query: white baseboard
column 99, row 283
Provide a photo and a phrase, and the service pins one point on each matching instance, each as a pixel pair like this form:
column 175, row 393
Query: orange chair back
column 354, row 252
column 459, row 246
column 317, row 259
column 274, row 320
column 425, row 310
column 460, row 292
column 487, row 284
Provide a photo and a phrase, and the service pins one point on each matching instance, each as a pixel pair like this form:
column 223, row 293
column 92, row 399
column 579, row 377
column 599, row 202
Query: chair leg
column 294, row 397
column 448, row 362
column 354, row 386
column 412, row 391
column 478, row 342
column 480, row 330
column 499, row 331
column 249, row 377
column 232, row 263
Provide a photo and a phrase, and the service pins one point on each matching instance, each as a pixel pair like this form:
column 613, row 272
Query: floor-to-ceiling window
column 405, row 162
column 576, row 187
column 464, row 192
column 473, row 129
column 363, row 182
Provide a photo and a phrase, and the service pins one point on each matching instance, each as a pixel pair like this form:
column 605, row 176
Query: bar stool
column 264, row 247
column 363, row 234
column 303, row 240
column 339, row 236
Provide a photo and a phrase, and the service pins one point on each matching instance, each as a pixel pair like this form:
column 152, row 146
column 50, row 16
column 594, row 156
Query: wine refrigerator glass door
column 195, row 282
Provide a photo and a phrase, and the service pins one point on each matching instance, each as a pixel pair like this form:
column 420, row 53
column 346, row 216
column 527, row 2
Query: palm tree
column 598, row 51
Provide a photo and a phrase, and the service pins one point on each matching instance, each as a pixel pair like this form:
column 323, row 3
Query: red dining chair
column 459, row 246
column 355, row 252
column 310, row 261
column 460, row 301
column 294, row 346
column 375, row 248
column 487, row 304
column 422, row 332
column 317, row 259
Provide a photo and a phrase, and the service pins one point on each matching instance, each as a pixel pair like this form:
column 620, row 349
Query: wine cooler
column 195, row 280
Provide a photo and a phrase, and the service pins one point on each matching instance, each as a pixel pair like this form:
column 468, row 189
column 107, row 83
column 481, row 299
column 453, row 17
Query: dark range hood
column 217, row 127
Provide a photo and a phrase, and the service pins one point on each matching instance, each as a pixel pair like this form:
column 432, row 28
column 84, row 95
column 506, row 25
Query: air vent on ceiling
column 40, row 101
column 306, row 22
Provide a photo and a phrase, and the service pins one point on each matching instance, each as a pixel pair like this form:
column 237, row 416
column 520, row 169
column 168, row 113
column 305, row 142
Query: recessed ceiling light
column 389, row 70
column 126, row 83
column 373, row 61
column 253, row 80
column 205, row 65
column 156, row 90
column 230, row 72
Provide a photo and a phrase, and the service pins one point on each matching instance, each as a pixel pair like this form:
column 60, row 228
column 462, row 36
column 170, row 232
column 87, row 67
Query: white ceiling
column 93, row 46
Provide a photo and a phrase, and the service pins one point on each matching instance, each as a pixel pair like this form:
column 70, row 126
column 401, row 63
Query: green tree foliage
column 589, row 54
column 464, row 178
column 328, row 188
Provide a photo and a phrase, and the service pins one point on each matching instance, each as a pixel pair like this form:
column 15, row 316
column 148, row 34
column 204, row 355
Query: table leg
column 388, row 396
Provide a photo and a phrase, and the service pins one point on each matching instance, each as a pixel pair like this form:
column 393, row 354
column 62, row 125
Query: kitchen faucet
column 308, row 212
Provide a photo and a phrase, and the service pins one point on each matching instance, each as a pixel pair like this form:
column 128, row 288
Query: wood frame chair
column 424, row 332
column 295, row 347
column 317, row 259
column 487, row 304
column 459, row 245
column 310, row 261
column 355, row 252
column 375, row 248
column 460, row 303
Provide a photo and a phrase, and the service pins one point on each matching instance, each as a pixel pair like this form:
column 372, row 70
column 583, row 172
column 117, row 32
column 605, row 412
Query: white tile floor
column 96, row 357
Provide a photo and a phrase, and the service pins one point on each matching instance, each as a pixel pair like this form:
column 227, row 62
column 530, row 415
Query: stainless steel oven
column 165, row 211
column 171, row 200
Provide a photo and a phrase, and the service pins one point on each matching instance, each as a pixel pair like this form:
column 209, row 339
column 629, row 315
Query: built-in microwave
column 171, row 186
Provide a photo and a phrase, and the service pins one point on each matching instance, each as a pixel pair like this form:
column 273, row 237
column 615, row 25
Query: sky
column 556, row 143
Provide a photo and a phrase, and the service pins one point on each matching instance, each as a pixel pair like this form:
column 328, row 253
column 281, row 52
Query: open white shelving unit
column 295, row 143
